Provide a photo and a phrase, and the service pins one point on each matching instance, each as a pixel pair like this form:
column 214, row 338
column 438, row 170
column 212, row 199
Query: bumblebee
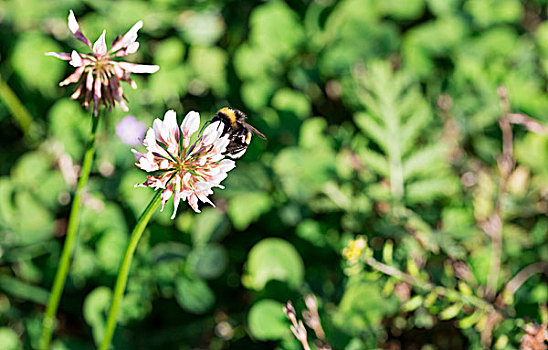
column 239, row 132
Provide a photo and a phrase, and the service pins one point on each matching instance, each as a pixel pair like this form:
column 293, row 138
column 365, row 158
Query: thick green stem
column 64, row 263
column 123, row 274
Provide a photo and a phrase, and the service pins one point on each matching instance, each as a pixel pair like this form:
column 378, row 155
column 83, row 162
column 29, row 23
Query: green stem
column 123, row 274
column 62, row 270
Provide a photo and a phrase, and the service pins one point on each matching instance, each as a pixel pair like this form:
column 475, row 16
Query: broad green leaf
column 267, row 320
column 209, row 226
column 193, row 295
column 247, row 208
column 273, row 259
column 209, row 261
column 9, row 339
column 313, row 134
column 257, row 93
column 288, row 100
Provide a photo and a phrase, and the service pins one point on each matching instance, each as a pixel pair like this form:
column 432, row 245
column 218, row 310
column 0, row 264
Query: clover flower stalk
column 98, row 76
column 178, row 169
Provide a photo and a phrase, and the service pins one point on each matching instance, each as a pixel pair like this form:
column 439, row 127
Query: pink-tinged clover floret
column 97, row 73
column 182, row 170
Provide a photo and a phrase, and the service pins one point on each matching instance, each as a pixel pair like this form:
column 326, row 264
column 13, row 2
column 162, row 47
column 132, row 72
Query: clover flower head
column 98, row 74
column 180, row 169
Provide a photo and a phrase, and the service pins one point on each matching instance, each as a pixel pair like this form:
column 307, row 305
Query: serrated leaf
column 430, row 189
column 424, row 161
column 375, row 161
column 372, row 129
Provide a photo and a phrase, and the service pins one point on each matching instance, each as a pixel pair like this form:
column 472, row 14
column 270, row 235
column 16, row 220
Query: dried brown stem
column 528, row 122
column 427, row 286
column 311, row 316
column 493, row 226
column 519, row 279
column 298, row 329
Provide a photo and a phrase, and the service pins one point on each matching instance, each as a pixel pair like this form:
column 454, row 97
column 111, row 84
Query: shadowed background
column 368, row 106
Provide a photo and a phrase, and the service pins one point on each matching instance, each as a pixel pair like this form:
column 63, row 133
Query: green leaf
column 203, row 27
column 36, row 69
column 247, row 208
column 450, row 312
column 193, row 295
column 288, row 100
column 313, row 134
column 257, row 93
column 372, row 129
column 209, row 261
column 209, row 65
column 411, row 9
column 311, row 231
column 273, row 259
column 302, row 172
column 95, row 307
column 427, row 190
column 35, row 222
column 267, row 320
column 276, row 29
column 375, row 161
column 110, row 250
column 413, row 303
column 70, row 125
column 424, row 161
column 9, row 339
column 356, row 312
column 209, row 226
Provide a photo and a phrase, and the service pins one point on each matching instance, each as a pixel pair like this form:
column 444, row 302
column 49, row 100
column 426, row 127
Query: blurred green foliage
column 382, row 121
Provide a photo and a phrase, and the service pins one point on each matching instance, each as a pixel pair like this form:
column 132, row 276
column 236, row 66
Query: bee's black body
column 238, row 130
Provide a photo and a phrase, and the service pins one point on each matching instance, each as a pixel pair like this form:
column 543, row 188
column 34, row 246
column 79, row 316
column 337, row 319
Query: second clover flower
column 185, row 171
column 98, row 75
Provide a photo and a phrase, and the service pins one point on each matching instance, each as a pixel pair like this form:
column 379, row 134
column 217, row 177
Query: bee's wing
column 249, row 127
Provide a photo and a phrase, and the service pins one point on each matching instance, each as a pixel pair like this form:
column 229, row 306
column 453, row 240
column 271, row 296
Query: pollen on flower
column 97, row 73
column 182, row 170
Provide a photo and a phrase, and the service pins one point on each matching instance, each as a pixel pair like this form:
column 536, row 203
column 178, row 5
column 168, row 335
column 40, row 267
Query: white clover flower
column 98, row 75
column 181, row 170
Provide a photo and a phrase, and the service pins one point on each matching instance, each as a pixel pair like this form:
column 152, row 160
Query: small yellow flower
column 356, row 249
